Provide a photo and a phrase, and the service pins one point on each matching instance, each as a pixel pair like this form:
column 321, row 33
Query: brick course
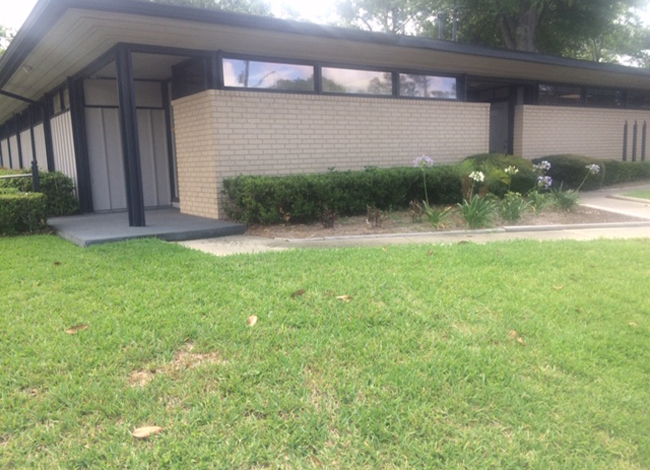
column 222, row 133
column 548, row 130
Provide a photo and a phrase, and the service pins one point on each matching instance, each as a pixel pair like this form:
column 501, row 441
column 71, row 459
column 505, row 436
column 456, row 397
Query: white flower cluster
column 593, row 169
column 542, row 166
column 511, row 170
column 477, row 176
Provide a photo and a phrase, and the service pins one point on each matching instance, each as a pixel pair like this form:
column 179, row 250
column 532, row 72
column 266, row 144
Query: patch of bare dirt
column 184, row 359
column 401, row 222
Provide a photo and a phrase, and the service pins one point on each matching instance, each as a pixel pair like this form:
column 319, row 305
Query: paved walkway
column 603, row 199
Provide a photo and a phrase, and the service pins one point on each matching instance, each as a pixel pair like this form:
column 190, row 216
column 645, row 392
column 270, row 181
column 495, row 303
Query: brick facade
column 222, row 133
column 598, row 133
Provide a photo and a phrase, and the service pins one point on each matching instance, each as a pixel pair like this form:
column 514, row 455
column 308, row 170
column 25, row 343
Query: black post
column 625, row 141
column 20, row 147
column 82, row 163
column 36, row 180
column 643, row 140
column 170, row 138
column 47, row 131
column 636, row 130
column 2, row 133
column 8, row 135
column 130, row 143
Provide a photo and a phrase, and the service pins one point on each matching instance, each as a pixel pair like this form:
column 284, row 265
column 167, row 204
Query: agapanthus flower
column 477, row 176
column 542, row 166
column 421, row 162
column 544, row 181
column 511, row 170
column 593, row 169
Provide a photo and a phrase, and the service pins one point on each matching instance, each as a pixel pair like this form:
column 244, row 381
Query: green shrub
column 477, row 211
column 57, row 187
column 301, row 198
column 512, row 206
column 496, row 180
column 569, row 171
column 22, row 212
column 617, row 172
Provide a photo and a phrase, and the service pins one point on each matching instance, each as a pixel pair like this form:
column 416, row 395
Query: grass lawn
column 505, row 356
column 640, row 194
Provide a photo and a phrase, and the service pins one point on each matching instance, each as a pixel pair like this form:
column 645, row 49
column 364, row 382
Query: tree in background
column 253, row 7
column 599, row 30
column 6, row 35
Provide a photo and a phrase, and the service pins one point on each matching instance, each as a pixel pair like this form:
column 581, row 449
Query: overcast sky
column 14, row 12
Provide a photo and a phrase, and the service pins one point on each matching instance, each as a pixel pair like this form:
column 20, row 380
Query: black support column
column 130, row 143
column 47, row 131
column 78, row 117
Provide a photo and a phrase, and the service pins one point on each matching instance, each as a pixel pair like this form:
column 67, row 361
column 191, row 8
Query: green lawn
column 423, row 368
column 639, row 194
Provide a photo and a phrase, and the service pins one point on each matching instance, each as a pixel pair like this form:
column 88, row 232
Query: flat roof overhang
column 62, row 37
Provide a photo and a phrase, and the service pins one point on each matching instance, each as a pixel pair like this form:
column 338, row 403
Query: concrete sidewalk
column 597, row 199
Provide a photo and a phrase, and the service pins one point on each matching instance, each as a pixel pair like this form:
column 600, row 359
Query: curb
column 628, row 198
column 506, row 229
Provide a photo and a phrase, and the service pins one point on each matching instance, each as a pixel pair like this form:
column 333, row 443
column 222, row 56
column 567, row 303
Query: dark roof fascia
column 46, row 12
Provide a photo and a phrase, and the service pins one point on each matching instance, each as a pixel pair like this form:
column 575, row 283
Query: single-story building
column 151, row 105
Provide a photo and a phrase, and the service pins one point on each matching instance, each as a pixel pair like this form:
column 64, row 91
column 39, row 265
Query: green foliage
column 537, row 200
column 301, row 198
column 496, row 180
column 569, row 171
column 565, row 200
column 21, row 212
column 512, row 206
column 617, row 172
column 57, row 187
column 435, row 215
column 477, row 211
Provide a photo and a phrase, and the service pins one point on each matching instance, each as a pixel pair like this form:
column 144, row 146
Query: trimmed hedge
column 22, row 212
column 302, row 198
column 493, row 164
column 617, row 172
column 57, row 187
column 568, row 171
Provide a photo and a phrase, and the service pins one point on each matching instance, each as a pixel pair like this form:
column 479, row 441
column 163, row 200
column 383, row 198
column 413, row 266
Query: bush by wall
column 617, row 172
column 22, row 212
column 302, row 198
column 493, row 165
column 569, row 171
column 57, row 187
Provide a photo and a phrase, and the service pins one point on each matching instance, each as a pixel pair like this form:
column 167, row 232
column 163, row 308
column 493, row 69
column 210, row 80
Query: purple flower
column 544, row 181
column 593, row 169
column 423, row 161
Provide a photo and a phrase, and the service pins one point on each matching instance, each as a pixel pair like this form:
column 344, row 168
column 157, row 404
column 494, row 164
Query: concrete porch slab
column 166, row 224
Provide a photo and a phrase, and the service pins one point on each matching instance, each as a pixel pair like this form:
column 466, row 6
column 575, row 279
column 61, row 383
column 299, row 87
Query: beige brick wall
column 598, row 133
column 195, row 122
column 226, row 133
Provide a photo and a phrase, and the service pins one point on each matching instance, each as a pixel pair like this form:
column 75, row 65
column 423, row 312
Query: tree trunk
column 519, row 28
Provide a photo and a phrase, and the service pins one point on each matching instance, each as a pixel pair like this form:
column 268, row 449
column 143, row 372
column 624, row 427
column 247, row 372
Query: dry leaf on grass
column 298, row 293
column 514, row 335
column 633, row 325
column 57, row 263
column 384, row 249
column 430, row 253
column 558, row 287
column 76, row 329
column 146, row 431
column 344, row 298
column 252, row 320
